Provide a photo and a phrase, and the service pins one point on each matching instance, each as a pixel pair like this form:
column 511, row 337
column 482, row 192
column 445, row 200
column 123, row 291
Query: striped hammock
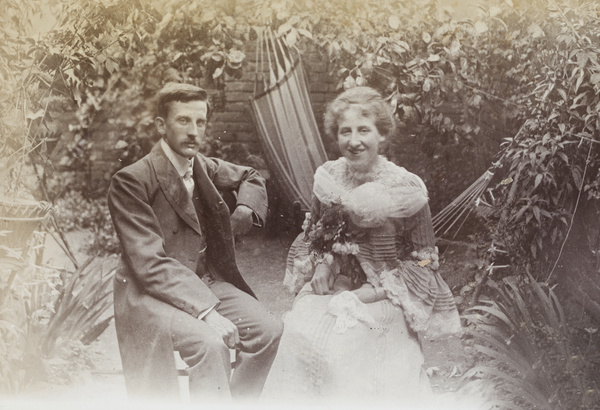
column 284, row 119
column 290, row 138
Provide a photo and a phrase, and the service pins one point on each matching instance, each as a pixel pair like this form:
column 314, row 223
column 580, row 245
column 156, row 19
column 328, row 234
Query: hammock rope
column 470, row 198
column 466, row 202
column 284, row 118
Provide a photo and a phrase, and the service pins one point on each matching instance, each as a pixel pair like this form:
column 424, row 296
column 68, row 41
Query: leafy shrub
column 48, row 318
column 74, row 212
column 524, row 342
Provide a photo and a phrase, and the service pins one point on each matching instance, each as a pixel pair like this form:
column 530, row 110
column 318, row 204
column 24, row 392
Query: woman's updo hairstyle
column 372, row 106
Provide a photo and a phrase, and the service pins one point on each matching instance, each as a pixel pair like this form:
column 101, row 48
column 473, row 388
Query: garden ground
column 261, row 256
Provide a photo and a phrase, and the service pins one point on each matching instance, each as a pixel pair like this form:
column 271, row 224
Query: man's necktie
column 188, row 180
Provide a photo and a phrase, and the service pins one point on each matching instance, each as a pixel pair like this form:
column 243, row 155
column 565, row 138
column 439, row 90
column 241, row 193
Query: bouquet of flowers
column 334, row 240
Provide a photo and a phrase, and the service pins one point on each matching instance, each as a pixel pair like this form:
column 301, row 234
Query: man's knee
column 205, row 348
column 272, row 331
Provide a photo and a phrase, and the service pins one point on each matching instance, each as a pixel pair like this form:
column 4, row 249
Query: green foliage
column 48, row 318
column 459, row 87
column 74, row 212
column 554, row 156
column 523, row 339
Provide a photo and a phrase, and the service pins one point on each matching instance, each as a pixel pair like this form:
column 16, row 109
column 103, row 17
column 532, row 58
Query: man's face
column 184, row 127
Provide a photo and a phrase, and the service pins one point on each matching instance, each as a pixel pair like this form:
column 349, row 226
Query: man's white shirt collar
column 181, row 164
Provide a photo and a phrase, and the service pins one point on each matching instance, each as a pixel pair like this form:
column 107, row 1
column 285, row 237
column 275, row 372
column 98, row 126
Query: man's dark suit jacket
column 162, row 256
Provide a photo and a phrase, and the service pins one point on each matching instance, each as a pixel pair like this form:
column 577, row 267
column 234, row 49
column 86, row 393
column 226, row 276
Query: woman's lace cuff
column 348, row 310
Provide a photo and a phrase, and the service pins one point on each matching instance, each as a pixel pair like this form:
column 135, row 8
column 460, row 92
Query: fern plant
column 523, row 340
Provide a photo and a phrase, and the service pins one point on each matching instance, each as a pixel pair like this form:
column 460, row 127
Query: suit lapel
column 172, row 186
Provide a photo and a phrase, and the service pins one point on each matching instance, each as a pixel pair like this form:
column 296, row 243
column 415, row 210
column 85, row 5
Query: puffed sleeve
column 420, row 234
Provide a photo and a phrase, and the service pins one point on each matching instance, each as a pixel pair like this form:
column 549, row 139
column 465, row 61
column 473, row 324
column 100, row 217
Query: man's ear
column 160, row 125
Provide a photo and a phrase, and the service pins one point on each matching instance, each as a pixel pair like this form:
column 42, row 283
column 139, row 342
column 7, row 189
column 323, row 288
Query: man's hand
column 323, row 279
column 224, row 327
column 241, row 220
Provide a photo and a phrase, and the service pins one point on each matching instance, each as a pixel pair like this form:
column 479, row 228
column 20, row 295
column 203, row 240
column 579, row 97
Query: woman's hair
column 371, row 104
column 179, row 92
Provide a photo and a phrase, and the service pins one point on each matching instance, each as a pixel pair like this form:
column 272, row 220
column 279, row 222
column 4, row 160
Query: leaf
column 548, row 91
column 394, row 22
column 35, row 115
column 111, row 65
column 217, row 73
column 284, row 28
column 595, row 78
column 481, row 27
column 562, row 93
column 349, row 82
column 538, row 179
column 493, row 311
column 576, row 174
column 535, row 31
column 427, row 84
column 305, row 33
column 582, row 59
column 579, row 80
column 426, row 37
column 434, row 57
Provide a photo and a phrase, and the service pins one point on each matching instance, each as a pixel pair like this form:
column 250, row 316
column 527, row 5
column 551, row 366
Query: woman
column 365, row 273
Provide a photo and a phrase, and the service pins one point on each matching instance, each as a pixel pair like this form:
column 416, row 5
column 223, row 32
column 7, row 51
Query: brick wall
column 232, row 121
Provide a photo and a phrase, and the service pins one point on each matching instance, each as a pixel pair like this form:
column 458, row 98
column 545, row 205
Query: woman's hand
column 368, row 294
column 322, row 280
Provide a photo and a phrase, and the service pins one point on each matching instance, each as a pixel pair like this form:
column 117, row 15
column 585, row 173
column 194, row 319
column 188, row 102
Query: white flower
column 347, row 248
column 306, row 222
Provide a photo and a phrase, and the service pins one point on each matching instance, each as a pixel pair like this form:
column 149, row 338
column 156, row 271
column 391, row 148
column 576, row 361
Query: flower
column 306, row 222
column 334, row 240
column 347, row 248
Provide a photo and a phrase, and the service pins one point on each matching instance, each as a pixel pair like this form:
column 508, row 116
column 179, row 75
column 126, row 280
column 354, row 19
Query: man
column 178, row 287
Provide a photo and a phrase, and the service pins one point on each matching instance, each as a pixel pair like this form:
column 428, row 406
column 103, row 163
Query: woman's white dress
column 336, row 349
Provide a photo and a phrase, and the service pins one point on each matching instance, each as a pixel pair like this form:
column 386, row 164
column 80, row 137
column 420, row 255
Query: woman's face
column 358, row 139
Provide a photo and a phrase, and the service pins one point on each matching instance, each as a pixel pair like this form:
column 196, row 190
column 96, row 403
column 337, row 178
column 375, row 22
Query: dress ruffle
column 396, row 193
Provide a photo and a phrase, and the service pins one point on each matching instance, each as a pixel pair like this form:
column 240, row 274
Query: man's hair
column 372, row 105
column 179, row 92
